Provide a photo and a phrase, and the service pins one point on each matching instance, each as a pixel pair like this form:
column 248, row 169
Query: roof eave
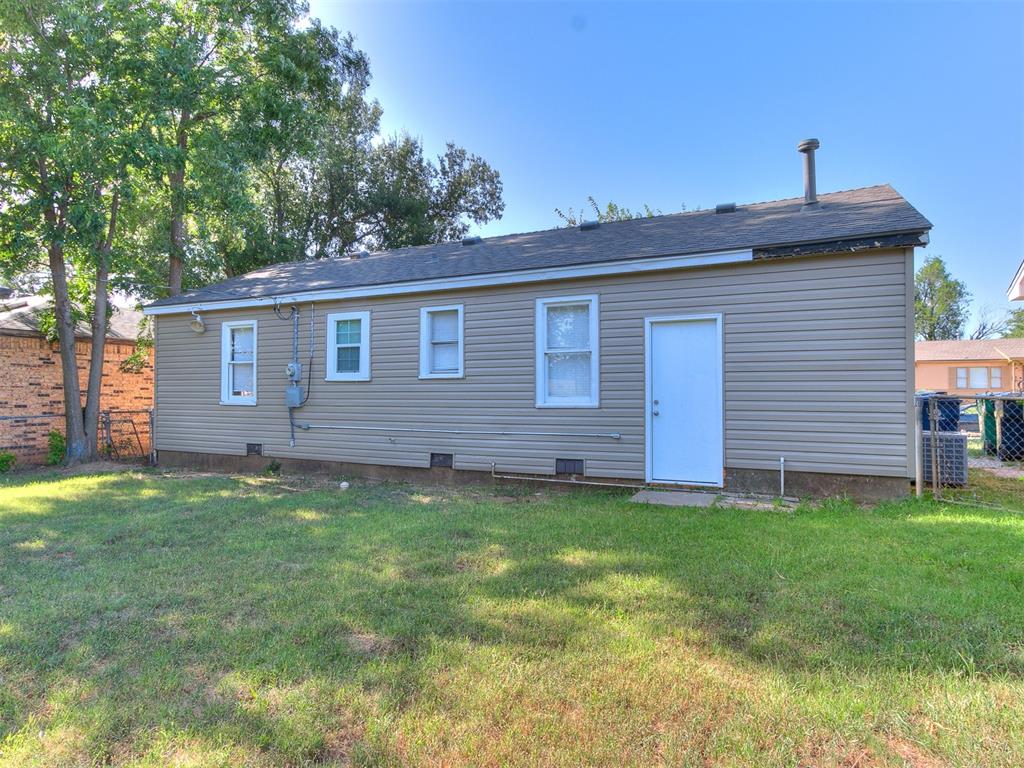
column 487, row 279
column 914, row 238
column 1016, row 290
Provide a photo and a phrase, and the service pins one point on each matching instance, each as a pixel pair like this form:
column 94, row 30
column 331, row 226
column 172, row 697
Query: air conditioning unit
column 951, row 453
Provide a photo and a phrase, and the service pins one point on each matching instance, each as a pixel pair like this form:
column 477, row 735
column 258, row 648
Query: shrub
column 136, row 361
column 57, row 447
column 7, row 460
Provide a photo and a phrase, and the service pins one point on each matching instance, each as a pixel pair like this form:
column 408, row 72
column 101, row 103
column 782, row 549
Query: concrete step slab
column 676, row 498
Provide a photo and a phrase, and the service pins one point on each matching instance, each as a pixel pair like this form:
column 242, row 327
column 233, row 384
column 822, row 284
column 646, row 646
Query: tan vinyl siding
column 815, row 350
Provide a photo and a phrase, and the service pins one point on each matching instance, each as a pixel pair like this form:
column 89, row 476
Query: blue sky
column 696, row 104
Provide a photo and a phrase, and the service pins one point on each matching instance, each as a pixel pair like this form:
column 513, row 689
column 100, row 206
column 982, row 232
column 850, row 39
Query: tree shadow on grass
column 265, row 619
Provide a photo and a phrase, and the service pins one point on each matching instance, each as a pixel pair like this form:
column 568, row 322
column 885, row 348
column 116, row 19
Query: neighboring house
column 31, row 382
column 692, row 349
column 970, row 367
column 1016, row 290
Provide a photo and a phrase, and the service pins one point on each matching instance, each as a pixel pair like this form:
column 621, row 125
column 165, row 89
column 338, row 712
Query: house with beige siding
column 695, row 349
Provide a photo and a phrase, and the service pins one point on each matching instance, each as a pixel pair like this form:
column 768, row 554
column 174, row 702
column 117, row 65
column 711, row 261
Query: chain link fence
column 124, row 435
column 955, row 434
column 127, row 435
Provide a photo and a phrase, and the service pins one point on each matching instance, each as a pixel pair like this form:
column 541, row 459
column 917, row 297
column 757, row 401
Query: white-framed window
column 979, row 378
column 567, row 352
column 348, row 346
column 238, row 362
column 441, row 342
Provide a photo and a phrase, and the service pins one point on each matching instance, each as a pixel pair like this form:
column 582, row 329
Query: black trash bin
column 1011, row 431
column 948, row 412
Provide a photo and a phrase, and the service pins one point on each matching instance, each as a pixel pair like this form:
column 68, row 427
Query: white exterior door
column 684, row 400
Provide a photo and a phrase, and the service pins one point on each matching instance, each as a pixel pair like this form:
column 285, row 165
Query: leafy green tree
column 223, row 80
column 71, row 130
column 941, row 304
column 1015, row 324
column 354, row 192
column 270, row 151
column 611, row 212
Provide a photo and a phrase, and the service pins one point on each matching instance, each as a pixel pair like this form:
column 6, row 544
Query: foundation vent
column 569, row 467
column 254, row 449
column 442, row 460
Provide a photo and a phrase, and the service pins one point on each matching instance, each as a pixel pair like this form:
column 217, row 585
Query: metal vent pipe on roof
column 471, row 240
column 807, row 147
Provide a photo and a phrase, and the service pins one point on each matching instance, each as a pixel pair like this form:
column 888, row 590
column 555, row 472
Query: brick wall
column 31, row 385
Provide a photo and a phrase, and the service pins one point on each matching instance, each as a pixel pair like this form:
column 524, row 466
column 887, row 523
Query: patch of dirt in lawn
column 1014, row 471
column 370, row 643
column 913, row 755
column 97, row 468
column 339, row 743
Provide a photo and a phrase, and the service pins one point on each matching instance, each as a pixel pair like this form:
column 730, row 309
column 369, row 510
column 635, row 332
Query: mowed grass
column 159, row 619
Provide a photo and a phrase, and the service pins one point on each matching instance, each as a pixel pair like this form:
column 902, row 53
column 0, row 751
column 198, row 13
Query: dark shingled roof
column 21, row 316
column 850, row 217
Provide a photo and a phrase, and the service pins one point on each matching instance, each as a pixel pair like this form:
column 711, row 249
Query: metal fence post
column 933, row 430
column 152, row 435
column 108, row 438
column 918, row 451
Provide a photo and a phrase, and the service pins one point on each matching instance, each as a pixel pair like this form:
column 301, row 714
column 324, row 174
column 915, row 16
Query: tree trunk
column 74, row 425
column 177, row 184
column 99, row 332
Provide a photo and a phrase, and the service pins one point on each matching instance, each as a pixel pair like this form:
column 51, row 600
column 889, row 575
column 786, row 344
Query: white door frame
column 648, row 397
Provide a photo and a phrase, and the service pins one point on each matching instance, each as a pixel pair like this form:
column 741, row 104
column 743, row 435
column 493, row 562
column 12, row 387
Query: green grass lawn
column 160, row 619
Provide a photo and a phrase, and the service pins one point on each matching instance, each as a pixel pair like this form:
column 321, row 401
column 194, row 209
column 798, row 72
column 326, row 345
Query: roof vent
column 807, row 147
column 471, row 240
column 585, row 225
column 5, row 292
column 725, row 208
column 362, row 253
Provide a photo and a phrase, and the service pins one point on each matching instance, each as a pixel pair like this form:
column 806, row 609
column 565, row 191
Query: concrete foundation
column 863, row 488
column 818, row 485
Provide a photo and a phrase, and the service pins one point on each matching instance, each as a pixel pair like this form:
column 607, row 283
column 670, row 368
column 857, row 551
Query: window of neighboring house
column 348, row 346
column 979, row 378
column 441, row 342
column 238, row 363
column 567, row 352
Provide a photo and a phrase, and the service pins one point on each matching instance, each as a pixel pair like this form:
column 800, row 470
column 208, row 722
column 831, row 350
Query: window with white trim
column 441, row 342
column 348, row 346
column 979, row 378
column 238, row 363
column 567, row 352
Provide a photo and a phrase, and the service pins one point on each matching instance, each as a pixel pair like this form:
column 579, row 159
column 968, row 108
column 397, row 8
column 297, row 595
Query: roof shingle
column 21, row 316
column 970, row 349
column 858, row 213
